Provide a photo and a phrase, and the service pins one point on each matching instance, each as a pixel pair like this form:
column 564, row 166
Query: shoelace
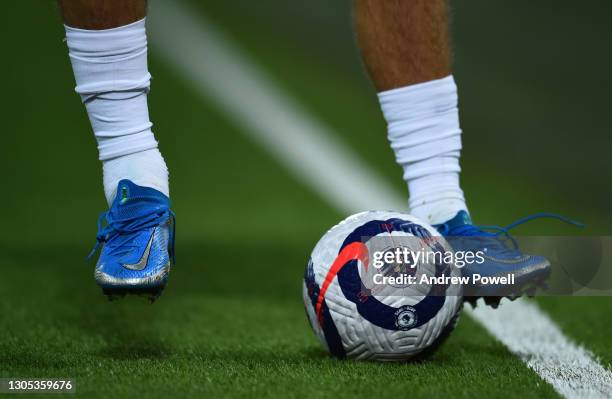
column 500, row 233
column 116, row 234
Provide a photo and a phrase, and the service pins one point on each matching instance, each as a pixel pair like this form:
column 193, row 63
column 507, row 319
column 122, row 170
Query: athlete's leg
column 405, row 47
column 107, row 44
column 403, row 42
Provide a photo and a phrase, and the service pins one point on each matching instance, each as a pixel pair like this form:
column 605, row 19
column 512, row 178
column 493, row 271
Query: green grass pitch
column 231, row 323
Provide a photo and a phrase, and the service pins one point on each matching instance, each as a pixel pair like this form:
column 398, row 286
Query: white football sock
column 423, row 123
column 110, row 68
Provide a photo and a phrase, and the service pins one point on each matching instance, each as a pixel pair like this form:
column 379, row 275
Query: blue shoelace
column 117, row 232
column 501, row 234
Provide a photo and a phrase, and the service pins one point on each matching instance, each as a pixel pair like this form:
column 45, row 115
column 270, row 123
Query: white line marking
column 220, row 72
column 530, row 334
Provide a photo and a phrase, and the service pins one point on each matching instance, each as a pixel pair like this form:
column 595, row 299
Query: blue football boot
column 502, row 257
column 137, row 242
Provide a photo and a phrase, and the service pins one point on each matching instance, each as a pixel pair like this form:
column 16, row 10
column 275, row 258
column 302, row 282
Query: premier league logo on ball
column 405, row 318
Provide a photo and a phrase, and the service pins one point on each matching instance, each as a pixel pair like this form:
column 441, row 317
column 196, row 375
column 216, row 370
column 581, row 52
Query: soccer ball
column 394, row 322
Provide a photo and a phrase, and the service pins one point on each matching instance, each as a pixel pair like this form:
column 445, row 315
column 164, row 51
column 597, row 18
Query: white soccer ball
column 389, row 323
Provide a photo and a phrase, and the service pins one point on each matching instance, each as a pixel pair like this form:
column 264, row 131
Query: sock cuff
column 417, row 101
column 100, row 56
column 106, row 42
